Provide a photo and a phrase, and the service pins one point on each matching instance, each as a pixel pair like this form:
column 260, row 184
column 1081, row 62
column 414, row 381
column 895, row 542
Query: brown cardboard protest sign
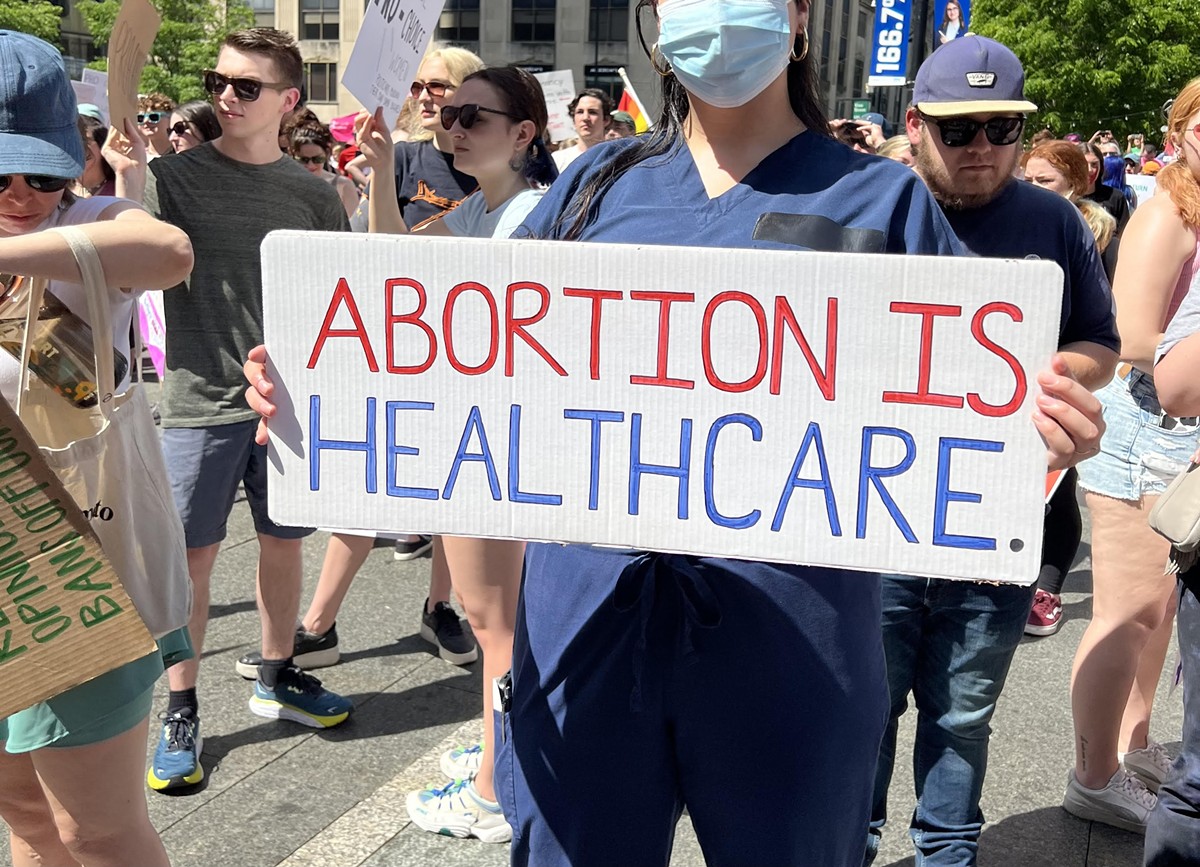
column 132, row 35
column 64, row 616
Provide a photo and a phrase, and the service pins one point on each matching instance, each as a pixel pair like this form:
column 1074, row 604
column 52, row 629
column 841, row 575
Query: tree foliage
column 186, row 45
column 39, row 17
column 1098, row 64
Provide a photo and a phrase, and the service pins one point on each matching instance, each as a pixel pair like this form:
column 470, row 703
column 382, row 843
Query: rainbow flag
column 631, row 104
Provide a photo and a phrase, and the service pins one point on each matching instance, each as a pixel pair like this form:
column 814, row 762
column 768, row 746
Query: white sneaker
column 462, row 763
column 1124, row 803
column 457, row 810
column 1150, row 765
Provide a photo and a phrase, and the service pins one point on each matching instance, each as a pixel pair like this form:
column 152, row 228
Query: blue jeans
column 1173, row 832
column 950, row 644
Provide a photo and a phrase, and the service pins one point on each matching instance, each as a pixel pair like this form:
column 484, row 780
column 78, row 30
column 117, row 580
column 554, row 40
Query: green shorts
column 95, row 711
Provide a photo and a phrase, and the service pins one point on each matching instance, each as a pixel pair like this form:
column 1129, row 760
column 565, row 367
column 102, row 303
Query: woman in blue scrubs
column 751, row 694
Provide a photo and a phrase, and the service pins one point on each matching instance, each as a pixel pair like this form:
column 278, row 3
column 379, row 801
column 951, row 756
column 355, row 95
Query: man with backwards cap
column 951, row 642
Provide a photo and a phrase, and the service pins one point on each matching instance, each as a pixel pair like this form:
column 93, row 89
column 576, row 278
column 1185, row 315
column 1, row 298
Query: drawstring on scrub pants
column 637, row 586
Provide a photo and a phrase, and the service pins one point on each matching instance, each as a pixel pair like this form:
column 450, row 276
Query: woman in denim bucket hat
column 72, row 766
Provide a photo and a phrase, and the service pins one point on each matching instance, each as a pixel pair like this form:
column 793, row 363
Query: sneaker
column 443, row 630
column 310, row 650
column 414, row 549
column 1124, row 803
column 1150, row 765
column 177, row 760
column 462, row 763
column 299, row 697
column 1046, row 615
column 457, row 810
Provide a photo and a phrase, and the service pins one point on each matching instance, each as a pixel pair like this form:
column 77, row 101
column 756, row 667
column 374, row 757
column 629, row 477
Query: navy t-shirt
column 427, row 185
column 813, row 193
column 1027, row 222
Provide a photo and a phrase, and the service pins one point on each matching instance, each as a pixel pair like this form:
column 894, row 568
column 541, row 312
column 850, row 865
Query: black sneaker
column 444, row 631
column 413, row 550
column 309, row 651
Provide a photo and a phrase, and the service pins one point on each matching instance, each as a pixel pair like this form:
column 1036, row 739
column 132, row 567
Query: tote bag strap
column 96, row 290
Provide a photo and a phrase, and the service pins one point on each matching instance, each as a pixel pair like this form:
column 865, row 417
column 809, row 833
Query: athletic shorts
column 1143, row 449
column 752, row 694
column 97, row 710
column 205, row 465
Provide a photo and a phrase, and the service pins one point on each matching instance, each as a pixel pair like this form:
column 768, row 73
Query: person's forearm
column 383, row 210
column 132, row 184
column 1091, row 364
column 1177, row 378
column 142, row 253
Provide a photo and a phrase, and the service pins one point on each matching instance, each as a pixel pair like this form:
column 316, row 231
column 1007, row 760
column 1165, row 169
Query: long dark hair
column 202, row 116
column 802, row 94
column 523, row 99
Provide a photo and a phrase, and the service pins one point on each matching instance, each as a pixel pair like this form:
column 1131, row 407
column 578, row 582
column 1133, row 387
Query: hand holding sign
column 1068, row 417
column 374, row 143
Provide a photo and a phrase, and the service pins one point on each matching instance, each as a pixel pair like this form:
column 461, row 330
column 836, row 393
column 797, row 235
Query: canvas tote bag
column 109, row 458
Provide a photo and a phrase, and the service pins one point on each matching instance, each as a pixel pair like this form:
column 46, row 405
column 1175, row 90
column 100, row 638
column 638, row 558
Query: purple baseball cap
column 969, row 76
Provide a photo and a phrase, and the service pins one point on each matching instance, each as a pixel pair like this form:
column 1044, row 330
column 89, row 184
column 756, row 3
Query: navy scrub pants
column 752, row 694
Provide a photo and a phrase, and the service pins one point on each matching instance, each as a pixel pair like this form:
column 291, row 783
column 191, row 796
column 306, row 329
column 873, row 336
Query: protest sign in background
column 128, row 49
column 558, row 87
column 387, row 52
column 863, row 411
column 64, row 616
column 99, row 81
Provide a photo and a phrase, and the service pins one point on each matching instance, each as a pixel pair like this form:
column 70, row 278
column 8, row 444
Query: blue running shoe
column 177, row 760
column 458, row 810
column 299, row 697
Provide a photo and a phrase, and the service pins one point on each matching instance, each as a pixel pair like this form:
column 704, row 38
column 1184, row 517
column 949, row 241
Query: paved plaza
column 280, row 794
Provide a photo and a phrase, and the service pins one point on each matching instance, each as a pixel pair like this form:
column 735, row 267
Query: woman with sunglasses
column 153, row 110
column 497, row 126
column 192, row 124
column 71, row 767
column 311, row 146
column 1120, row 657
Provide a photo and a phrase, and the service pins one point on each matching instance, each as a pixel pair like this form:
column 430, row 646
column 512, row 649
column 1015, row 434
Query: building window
column 319, row 19
column 459, row 22
column 533, row 20
column 605, row 78
column 320, row 81
column 609, row 21
column 264, row 12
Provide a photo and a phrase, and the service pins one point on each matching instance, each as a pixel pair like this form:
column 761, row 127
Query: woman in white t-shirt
column 72, row 766
column 497, row 125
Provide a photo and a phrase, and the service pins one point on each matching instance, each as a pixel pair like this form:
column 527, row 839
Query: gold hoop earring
column 792, row 56
column 665, row 69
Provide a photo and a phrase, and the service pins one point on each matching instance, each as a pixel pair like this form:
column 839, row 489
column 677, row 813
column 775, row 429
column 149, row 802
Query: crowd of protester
column 471, row 155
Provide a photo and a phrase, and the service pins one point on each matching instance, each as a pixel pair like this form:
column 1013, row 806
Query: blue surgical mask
column 725, row 52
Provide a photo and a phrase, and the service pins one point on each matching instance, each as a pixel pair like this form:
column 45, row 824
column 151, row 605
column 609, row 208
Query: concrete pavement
column 280, row 794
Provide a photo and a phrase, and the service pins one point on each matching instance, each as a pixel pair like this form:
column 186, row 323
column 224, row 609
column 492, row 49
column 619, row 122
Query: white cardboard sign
column 1143, row 185
column 871, row 412
column 387, row 52
column 558, row 87
column 99, row 81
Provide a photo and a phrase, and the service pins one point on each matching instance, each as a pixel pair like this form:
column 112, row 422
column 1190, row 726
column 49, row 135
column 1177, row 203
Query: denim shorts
column 1143, row 449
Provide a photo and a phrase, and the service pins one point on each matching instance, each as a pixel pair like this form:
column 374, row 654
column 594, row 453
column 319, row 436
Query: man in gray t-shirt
column 227, row 195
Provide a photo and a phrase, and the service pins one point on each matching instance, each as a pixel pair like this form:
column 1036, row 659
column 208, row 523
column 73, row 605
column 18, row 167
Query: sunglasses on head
column 181, row 128
column 311, row 161
column 149, row 116
column 468, row 115
column 437, row 89
column 245, row 89
column 40, row 183
column 957, row 132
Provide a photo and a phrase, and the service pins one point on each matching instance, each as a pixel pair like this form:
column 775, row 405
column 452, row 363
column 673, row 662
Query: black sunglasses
column 437, row 89
column 181, row 128
column 312, row 161
column 957, row 132
column 468, row 115
column 245, row 89
column 41, row 183
column 149, row 116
